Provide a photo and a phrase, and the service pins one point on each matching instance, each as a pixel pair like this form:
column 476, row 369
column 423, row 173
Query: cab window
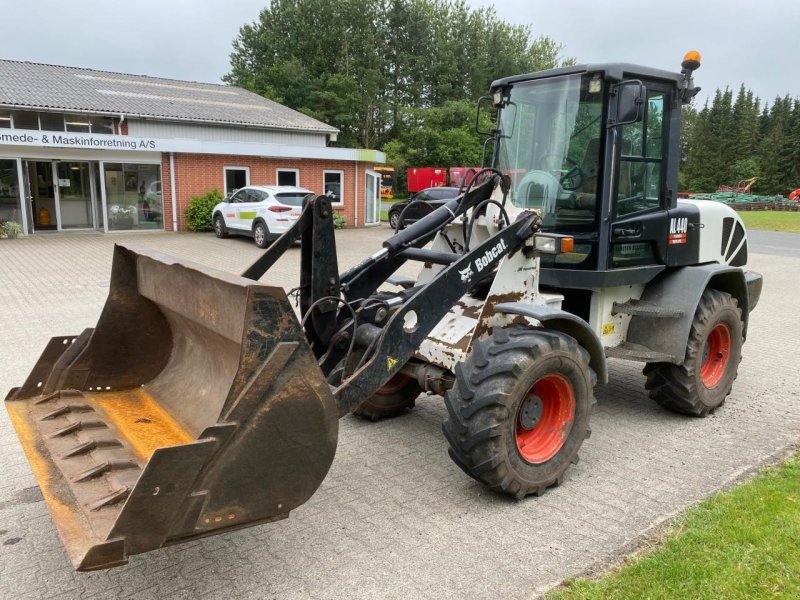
column 640, row 174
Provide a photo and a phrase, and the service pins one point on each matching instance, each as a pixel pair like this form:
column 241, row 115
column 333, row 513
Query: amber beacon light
column 691, row 60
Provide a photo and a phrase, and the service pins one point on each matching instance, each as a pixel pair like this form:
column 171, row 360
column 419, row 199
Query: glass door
column 74, row 195
column 40, row 195
column 372, row 198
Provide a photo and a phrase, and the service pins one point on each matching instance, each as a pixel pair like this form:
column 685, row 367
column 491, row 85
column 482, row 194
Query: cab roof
column 610, row 71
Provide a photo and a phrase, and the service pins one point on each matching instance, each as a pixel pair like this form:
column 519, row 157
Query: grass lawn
column 771, row 220
column 744, row 543
column 385, row 215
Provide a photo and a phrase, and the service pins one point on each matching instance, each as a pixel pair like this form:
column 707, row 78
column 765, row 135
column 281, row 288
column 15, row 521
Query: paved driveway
column 395, row 518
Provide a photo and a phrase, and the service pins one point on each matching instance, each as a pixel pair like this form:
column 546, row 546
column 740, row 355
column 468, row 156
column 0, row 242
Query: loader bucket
column 194, row 407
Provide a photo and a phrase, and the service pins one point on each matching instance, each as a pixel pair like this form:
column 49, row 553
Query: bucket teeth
column 116, row 496
column 89, row 446
column 67, row 409
column 57, row 395
column 48, row 398
column 103, row 468
column 77, row 426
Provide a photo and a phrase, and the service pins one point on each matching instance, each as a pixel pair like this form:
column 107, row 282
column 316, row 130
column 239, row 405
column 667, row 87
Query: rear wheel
column 394, row 220
column 219, row 227
column 701, row 384
column 520, row 408
column 398, row 395
column 261, row 234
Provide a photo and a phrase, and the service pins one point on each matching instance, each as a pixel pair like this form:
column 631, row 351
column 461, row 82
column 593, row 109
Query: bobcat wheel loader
column 200, row 403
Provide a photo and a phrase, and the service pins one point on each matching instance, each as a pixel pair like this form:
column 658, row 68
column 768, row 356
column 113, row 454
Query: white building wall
column 216, row 133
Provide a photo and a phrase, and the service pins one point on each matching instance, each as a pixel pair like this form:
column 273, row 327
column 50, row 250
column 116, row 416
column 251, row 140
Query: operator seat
column 586, row 196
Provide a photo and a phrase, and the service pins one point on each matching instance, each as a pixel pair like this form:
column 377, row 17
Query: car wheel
column 261, row 234
column 219, row 227
column 394, row 220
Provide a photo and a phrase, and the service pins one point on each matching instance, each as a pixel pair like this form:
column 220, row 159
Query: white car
column 262, row 212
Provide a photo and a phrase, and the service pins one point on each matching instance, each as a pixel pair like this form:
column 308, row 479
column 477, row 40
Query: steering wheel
column 573, row 178
column 546, row 182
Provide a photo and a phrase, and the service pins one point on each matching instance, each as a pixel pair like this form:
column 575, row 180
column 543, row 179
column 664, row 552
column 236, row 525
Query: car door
column 247, row 210
column 231, row 209
column 417, row 207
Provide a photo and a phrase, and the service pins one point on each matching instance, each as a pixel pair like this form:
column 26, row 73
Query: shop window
column 236, row 178
column 288, row 176
column 333, row 184
column 102, row 124
column 5, row 120
column 9, row 191
column 133, row 196
column 51, row 121
column 26, row 119
column 77, row 123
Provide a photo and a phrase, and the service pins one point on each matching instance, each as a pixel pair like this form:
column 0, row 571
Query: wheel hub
column 545, row 418
column 530, row 412
column 716, row 352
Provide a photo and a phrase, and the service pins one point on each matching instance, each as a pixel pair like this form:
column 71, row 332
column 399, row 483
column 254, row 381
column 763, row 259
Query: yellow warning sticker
column 608, row 328
column 390, row 363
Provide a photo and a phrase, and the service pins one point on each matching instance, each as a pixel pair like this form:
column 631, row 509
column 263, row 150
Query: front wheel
column 394, row 220
column 701, row 383
column 261, row 235
column 519, row 411
column 219, row 227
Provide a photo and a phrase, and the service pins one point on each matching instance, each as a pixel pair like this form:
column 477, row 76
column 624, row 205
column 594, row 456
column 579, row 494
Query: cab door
column 641, row 198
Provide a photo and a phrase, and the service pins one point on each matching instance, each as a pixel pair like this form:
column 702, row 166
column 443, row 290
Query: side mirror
column 631, row 96
column 483, row 100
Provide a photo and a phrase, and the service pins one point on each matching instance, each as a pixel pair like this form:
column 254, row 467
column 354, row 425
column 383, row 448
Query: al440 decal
column 677, row 230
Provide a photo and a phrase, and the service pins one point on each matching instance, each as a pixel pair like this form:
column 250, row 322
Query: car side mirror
column 631, row 96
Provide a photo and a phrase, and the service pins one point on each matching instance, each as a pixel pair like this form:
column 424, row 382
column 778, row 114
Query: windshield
column 550, row 146
column 291, row 198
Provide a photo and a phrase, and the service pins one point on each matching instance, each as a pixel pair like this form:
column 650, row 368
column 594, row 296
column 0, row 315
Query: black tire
column 396, row 397
column 713, row 352
column 261, row 234
column 489, row 436
column 219, row 226
column 394, row 219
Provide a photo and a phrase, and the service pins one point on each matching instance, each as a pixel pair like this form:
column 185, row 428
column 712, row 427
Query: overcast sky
column 757, row 43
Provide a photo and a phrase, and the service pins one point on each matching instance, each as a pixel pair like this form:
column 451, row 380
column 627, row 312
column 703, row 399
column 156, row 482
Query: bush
column 198, row 213
column 339, row 220
column 10, row 229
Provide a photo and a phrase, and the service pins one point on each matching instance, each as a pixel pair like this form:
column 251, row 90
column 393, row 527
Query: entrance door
column 74, row 195
column 41, row 194
column 372, row 198
column 59, row 195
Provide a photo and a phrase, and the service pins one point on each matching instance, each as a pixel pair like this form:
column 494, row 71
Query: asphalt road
column 395, row 518
column 777, row 243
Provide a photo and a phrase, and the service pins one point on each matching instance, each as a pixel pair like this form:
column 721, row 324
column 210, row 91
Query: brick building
column 94, row 150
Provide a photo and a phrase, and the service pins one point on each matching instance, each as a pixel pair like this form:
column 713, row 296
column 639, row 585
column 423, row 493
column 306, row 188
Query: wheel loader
column 201, row 403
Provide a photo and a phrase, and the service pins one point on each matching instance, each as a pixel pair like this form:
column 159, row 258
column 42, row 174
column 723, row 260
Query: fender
column 560, row 320
column 681, row 290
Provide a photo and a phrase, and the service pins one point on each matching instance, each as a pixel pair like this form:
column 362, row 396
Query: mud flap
column 194, row 407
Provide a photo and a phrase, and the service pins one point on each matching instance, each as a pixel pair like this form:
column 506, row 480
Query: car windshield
column 291, row 198
column 550, row 146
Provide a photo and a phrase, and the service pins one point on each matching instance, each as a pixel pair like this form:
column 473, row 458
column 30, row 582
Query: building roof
column 36, row 86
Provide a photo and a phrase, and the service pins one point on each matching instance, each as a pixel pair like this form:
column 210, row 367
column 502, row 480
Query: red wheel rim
column 716, row 353
column 395, row 384
column 547, row 436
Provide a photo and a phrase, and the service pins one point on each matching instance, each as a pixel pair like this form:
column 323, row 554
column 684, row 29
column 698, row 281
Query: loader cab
column 595, row 149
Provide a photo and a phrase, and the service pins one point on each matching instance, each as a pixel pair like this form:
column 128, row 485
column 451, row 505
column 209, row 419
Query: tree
column 368, row 67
